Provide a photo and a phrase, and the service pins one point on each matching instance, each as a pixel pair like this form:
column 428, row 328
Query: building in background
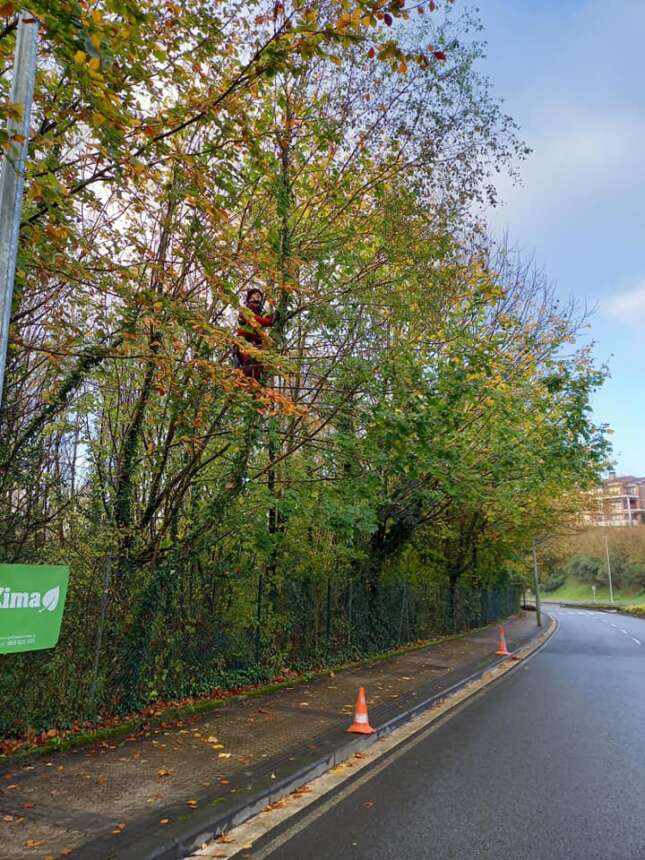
column 619, row 501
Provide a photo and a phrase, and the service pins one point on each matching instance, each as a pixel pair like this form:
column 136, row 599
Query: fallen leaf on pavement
column 191, row 803
column 225, row 838
column 33, row 843
column 164, row 821
column 225, row 781
column 224, row 755
column 211, row 739
column 28, row 805
column 119, row 828
column 7, row 818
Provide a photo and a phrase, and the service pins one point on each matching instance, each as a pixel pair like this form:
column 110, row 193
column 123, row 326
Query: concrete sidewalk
column 146, row 797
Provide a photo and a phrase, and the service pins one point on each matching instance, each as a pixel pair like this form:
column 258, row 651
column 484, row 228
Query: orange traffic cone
column 361, row 724
column 502, row 651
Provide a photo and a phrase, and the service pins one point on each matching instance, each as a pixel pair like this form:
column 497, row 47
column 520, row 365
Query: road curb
column 206, row 825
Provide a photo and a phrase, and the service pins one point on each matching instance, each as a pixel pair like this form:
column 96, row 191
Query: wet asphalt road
column 547, row 764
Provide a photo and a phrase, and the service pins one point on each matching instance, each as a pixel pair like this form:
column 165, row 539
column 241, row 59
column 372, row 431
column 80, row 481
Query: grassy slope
column 573, row 591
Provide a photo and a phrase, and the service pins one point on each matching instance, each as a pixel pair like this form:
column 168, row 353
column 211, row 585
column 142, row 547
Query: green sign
column 32, row 597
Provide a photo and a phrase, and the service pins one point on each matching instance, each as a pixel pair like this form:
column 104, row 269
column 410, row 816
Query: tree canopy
column 424, row 412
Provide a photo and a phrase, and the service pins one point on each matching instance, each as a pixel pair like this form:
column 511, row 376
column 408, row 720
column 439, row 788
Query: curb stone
column 206, row 824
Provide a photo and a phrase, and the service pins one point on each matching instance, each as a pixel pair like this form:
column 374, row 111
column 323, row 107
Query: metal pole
column 13, row 171
column 536, row 587
column 611, row 588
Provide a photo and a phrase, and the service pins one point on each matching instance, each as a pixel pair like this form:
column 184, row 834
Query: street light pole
column 611, row 589
column 12, row 177
column 536, row 588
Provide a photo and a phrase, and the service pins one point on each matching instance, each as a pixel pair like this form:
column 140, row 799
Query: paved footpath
column 132, row 798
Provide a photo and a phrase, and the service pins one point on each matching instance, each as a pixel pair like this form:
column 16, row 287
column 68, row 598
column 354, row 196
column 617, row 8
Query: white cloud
column 627, row 306
column 579, row 159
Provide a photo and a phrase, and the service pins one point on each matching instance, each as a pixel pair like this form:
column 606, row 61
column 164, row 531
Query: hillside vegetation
column 578, row 561
column 417, row 413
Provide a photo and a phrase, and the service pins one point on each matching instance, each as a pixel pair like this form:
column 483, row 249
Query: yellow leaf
column 94, row 63
column 79, row 57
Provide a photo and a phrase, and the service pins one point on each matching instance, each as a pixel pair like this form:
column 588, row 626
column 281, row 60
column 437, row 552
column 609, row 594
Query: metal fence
column 253, row 632
column 313, row 622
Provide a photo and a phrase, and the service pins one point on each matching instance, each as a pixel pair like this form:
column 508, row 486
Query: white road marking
column 614, row 625
column 637, row 641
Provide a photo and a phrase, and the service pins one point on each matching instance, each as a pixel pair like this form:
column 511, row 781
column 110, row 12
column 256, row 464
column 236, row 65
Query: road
column 549, row 763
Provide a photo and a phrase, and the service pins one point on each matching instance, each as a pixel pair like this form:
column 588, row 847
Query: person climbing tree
column 251, row 321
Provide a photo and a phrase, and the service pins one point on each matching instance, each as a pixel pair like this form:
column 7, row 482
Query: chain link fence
column 177, row 644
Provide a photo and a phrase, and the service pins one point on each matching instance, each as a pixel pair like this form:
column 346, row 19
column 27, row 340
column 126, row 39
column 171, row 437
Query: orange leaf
column 6, row 11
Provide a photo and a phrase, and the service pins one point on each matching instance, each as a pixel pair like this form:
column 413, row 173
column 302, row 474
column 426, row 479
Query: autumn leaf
column 192, row 803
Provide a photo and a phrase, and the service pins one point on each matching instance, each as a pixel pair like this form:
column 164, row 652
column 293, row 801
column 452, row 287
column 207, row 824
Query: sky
column 572, row 75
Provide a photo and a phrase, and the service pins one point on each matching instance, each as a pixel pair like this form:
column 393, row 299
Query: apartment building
column 620, row 501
